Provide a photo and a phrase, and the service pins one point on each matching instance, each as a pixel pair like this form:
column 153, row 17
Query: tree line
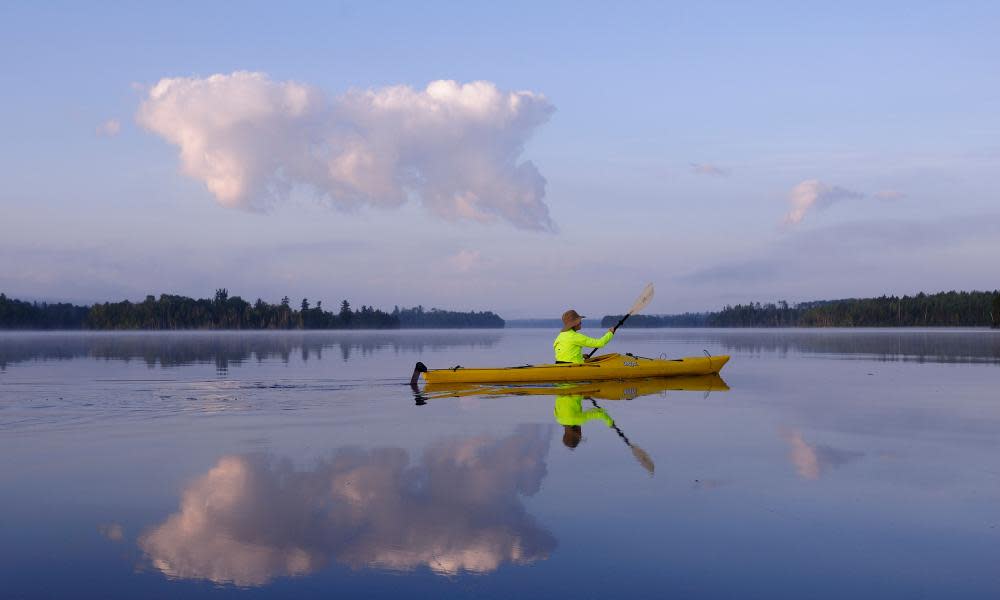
column 435, row 318
column 173, row 312
column 18, row 314
column 944, row 309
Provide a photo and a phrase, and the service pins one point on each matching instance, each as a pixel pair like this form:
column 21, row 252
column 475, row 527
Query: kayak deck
column 606, row 366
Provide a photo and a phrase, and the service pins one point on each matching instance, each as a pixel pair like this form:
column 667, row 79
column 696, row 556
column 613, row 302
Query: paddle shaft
column 613, row 425
column 613, row 329
column 640, row 303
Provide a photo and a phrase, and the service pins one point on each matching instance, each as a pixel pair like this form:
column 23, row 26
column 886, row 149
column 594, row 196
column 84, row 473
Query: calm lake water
column 836, row 464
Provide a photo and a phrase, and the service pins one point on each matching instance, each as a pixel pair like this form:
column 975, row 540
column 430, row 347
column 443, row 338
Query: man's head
column 572, row 434
column 571, row 320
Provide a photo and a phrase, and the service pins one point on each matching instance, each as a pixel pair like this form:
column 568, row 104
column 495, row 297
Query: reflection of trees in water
column 225, row 349
column 921, row 346
column 252, row 518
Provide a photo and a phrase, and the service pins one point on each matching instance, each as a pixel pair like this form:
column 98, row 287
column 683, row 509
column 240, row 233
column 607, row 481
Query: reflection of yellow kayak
column 607, row 366
column 611, row 389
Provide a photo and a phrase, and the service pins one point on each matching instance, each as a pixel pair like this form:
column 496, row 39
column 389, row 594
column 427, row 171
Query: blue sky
column 679, row 141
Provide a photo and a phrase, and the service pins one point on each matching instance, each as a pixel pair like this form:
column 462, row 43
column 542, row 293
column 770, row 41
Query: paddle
column 639, row 454
column 640, row 303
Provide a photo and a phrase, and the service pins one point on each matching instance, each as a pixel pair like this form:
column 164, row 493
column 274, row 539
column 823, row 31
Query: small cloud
column 109, row 128
column 814, row 194
column 890, row 195
column 112, row 531
column 465, row 260
column 711, row 170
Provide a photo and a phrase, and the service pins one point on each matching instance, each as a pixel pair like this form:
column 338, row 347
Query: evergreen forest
column 418, row 318
column 945, row 309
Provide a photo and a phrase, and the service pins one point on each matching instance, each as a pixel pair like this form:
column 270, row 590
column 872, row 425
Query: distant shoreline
column 225, row 313
column 943, row 309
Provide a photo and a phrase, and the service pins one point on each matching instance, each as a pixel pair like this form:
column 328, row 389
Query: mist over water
column 827, row 464
column 177, row 349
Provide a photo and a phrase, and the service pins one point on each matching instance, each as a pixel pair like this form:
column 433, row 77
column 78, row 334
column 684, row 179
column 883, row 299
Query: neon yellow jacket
column 569, row 411
column 569, row 345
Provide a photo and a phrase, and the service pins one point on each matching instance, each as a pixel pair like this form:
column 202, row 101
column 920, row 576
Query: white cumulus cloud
column 455, row 147
column 815, row 195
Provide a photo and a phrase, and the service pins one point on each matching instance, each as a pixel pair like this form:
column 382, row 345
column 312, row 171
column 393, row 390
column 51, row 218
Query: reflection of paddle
column 639, row 454
column 640, row 303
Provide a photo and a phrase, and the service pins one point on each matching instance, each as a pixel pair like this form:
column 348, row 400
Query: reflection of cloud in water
column 812, row 460
column 112, row 531
column 253, row 518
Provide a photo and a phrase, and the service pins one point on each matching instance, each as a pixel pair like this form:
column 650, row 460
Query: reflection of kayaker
column 570, row 414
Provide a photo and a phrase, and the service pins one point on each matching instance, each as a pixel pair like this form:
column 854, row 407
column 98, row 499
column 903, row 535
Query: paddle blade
column 644, row 459
column 642, row 300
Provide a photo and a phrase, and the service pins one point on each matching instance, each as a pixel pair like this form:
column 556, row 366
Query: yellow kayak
column 607, row 366
column 607, row 389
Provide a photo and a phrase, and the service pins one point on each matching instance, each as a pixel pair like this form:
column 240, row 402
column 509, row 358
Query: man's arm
column 590, row 342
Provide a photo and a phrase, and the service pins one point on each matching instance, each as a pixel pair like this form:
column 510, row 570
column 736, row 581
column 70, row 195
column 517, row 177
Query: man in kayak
column 570, row 342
